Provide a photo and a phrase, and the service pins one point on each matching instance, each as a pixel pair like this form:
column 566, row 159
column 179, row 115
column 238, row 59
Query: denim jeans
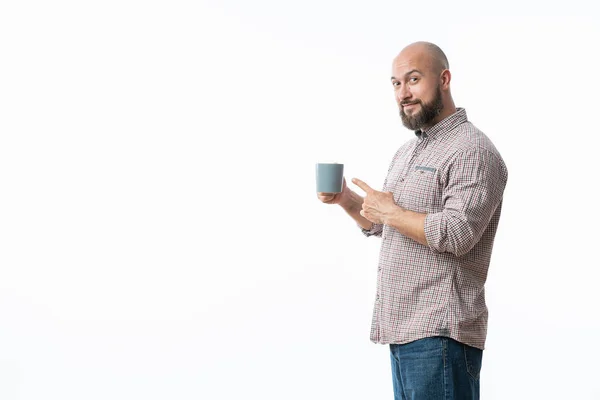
column 435, row 368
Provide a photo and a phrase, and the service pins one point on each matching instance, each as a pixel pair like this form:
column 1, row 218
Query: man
column 437, row 216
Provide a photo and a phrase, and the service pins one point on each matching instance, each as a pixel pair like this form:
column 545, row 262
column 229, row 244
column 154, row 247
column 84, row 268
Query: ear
column 445, row 79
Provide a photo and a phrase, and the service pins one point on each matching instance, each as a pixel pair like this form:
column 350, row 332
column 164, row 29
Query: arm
column 474, row 190
column 352, row 204
column 476, row 182
column 408, row 223
column 380, row 208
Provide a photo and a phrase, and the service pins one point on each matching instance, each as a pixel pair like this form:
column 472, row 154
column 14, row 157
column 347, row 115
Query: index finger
column 362, row 185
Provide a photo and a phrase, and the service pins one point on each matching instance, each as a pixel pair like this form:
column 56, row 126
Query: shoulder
column 470, row 146
column 468, row 140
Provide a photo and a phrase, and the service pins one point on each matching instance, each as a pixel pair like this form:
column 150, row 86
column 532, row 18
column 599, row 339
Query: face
column 417, row 91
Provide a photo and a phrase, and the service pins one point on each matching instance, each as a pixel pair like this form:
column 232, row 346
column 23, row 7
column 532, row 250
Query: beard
column 427, row 114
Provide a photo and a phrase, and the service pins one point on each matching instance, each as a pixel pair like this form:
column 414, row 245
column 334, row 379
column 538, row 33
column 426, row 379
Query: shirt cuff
column 433, row 232
column 375, row 230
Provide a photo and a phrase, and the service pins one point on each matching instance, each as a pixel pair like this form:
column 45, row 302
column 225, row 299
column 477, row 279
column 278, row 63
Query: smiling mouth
column 408, row 105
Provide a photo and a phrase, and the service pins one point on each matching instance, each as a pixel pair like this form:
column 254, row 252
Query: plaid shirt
column 454, row 174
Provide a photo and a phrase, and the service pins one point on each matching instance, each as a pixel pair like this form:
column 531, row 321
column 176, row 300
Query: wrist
column 347, row 200
column 394, row 218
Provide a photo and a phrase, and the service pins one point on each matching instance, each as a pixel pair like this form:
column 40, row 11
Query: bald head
column 421, row 81
column 428, row 53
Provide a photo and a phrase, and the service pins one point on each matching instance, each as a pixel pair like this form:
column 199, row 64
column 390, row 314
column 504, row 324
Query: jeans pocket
column 473, row 358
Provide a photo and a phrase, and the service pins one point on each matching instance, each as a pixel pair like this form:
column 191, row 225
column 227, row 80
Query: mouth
column 408, row 105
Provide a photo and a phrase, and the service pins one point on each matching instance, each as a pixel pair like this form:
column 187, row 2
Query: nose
column 403, row 93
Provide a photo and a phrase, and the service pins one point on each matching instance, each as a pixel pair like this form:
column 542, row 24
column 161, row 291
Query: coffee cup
column 330, row 177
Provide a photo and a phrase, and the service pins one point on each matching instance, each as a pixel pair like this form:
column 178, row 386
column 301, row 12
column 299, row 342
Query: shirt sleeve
column 475, row 185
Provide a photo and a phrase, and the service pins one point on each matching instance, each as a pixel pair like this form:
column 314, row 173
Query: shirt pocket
column 421, row 191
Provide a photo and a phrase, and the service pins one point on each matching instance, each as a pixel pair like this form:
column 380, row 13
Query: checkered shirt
column 453, row 173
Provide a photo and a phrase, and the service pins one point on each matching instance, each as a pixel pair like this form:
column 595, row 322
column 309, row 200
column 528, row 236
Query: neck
column 447, row 111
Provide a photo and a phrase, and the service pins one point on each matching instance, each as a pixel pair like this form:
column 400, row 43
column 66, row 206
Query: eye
column 413, row 79
column 395, row 83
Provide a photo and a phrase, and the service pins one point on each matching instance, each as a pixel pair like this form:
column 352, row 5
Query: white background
column 160, row 237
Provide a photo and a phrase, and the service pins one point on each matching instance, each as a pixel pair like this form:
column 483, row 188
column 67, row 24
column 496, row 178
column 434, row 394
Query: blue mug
column 330, row 177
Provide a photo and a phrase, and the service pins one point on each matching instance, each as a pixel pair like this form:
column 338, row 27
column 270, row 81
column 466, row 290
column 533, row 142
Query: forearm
column 352, row 206
column 408, row 223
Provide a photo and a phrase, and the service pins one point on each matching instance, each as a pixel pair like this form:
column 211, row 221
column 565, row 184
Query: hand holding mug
column 334, row 198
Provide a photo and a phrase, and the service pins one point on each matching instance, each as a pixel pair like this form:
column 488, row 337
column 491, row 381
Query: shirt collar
column 449, row 122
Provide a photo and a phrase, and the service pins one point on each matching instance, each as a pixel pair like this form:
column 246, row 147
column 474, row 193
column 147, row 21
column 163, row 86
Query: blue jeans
column 435, row 368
